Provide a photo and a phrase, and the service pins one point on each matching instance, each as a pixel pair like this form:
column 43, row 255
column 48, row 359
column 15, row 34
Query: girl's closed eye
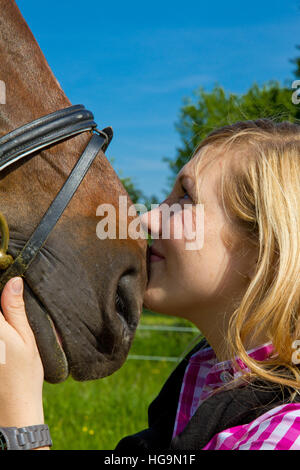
column 185, row 195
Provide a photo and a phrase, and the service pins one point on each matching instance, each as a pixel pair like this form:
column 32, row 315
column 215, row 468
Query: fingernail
column 17, row 285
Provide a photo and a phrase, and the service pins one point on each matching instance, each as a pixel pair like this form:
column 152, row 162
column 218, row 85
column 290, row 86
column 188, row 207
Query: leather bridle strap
column 48, row 129
column 44, row 132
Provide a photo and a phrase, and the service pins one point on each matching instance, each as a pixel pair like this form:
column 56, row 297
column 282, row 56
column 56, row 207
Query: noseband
column 30, row 138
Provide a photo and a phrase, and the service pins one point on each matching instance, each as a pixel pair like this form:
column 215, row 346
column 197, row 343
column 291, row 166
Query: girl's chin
column 155, row 299
column 147, row 301
column 159, row 301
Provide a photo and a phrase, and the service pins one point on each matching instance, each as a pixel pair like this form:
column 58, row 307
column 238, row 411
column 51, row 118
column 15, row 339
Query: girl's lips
column 155, row 255
column 154, row 258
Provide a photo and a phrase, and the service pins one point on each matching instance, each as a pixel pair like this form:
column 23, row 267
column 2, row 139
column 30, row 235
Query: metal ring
column 5, row 259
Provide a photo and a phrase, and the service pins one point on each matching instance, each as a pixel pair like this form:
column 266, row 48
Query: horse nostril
column 125, row 299
column 120, row 304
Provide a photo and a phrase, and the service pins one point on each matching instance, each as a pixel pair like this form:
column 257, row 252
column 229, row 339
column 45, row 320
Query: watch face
column 3, row 445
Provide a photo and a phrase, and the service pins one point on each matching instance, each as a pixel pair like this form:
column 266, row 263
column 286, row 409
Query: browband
column 45, row 131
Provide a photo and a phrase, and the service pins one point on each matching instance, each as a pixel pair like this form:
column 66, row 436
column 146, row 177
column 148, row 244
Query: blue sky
column 133, row 62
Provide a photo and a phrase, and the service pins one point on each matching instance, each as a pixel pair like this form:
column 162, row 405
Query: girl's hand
column 21, row 370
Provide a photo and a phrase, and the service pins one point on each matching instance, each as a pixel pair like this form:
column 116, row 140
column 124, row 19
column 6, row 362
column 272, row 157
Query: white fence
column 180, row 329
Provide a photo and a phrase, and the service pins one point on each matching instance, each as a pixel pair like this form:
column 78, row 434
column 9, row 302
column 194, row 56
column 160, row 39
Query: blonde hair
column 260, row 191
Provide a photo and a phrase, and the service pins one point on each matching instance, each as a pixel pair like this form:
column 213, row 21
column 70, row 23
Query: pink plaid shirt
column 277, row 429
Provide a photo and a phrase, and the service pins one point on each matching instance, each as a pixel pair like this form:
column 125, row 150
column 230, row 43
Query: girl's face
column 194, row 283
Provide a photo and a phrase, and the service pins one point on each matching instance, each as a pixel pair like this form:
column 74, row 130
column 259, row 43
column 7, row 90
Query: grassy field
column 97, row 414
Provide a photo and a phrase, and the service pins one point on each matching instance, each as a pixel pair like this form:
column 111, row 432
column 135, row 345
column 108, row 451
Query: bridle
column 28, row 139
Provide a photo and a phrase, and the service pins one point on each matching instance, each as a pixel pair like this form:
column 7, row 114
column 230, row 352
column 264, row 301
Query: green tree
column 136, row 195
column 296, row 61
column 206, row 111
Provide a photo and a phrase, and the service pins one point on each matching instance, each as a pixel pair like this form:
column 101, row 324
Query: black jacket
column 222, row 410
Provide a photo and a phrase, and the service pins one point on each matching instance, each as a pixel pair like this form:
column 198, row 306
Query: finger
column 13, row 306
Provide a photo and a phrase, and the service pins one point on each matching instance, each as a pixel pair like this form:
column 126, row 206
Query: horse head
column 83, row 295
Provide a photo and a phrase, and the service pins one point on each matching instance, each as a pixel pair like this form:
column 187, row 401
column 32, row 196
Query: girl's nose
column 151, row 222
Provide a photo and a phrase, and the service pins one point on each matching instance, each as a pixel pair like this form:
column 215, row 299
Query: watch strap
column 26, row 438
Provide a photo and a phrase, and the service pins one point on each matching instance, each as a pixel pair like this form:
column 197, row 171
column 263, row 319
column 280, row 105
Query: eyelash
column 185, row 194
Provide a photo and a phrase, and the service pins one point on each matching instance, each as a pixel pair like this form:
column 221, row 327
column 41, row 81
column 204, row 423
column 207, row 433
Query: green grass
column 97, row 414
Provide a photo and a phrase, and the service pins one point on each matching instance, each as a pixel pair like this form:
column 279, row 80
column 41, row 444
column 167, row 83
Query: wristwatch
column 29, row 437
